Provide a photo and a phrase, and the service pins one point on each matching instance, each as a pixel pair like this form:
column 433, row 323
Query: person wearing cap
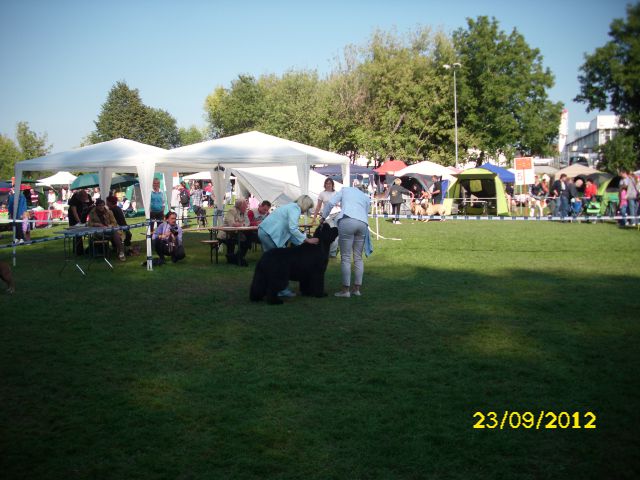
column 101, row 216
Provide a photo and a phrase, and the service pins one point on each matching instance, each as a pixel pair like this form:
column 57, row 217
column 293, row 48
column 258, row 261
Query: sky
column 60, row 58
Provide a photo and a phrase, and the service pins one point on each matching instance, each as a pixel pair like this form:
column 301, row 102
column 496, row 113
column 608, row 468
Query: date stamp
column 541, row 420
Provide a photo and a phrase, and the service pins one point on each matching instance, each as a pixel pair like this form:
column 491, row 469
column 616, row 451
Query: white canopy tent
column 279, row 185
column 427, row 168
column 60, row 178
column 244, row 150
column 217, row 156
column 106, row 158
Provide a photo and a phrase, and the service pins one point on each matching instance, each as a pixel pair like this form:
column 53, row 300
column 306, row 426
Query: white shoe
column 356, row 293
column 346, row 294
column 121, row 257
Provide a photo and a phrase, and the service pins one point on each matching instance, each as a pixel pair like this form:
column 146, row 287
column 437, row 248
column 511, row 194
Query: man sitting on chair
column 237, row 217
column 101, row 216
column 167, row 239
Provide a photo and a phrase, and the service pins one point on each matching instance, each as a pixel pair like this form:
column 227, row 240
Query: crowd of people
column 346, row 209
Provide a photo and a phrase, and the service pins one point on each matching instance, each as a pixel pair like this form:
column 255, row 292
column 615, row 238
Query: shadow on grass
column 175, row 374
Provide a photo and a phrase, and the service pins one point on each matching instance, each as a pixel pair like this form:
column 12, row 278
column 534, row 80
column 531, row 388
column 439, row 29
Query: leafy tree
column 619, row 153
column 292, row 107
column 502, row 87
column 236, row 110
column 9, row 155
column 611, row 75
column 124, row 115
column 191, row 135
column 31, row 144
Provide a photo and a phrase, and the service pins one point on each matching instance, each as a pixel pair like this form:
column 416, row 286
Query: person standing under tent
column 22, row 208
column 323, row 198
column 157, row 205
column 196, row 204
column 395, row 198
column 79, row 205
column 184, row 200
column 353, row 233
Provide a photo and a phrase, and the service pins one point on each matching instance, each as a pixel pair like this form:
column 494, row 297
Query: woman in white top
column 323, row 199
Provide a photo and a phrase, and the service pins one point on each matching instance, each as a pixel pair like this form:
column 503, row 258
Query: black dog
column 305, row 263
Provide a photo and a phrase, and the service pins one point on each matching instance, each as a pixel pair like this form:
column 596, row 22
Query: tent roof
column 337, row 170
column 475, row 173
column 504, row 174
column 390, row 166
column 575, row 170
column 116, row 153
column 426, row 168
column 60, row 178
column 249, row 148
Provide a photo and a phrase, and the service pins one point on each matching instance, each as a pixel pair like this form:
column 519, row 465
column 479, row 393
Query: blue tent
column 333, row 170
column 503, row 174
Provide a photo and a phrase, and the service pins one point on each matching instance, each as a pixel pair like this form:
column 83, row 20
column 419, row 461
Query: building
column 588, row 138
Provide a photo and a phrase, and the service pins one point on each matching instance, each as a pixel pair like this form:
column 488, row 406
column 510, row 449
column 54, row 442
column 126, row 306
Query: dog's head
column 326, row 234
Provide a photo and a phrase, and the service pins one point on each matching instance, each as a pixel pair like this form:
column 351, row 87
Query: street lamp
column 455, row 102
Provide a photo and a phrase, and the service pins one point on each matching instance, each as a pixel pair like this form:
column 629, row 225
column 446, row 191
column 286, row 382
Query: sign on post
column 524, row 171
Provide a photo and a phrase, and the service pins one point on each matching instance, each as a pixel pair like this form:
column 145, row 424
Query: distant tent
column 390, row 166
column 505, row 175
column 477, row 191
column 575, row 170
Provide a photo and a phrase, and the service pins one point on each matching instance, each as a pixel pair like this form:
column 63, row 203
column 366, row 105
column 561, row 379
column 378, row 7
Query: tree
column 191, row 135
column 610, row 76
column 502, row 91
column 236, row 110
column 124, row 115
column 619, row 153
column 31, row 145
column 9, row 155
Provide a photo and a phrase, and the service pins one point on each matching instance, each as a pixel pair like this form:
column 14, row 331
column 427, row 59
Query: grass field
column 175, row 374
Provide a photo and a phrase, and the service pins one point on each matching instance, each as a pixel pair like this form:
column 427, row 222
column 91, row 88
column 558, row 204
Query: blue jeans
column 633, row 210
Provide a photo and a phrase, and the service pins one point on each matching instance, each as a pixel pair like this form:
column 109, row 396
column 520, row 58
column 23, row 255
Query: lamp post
column 455, row 103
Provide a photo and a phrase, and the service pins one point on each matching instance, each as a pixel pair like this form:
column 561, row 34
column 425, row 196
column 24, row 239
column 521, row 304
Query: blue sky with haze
column 60, row 58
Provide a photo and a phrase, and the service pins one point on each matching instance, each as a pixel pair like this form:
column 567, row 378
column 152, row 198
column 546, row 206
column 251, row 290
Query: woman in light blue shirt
column 282, row 226
column 353, row 229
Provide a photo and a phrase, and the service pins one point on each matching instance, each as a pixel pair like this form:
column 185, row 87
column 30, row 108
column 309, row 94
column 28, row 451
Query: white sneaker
column 342, row 294
column 121, row 257
column 356, row 293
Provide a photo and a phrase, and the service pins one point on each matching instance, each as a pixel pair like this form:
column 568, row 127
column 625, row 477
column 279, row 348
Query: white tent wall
column 279, row 185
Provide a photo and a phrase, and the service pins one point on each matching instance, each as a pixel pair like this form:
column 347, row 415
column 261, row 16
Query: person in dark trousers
column 112, row 204
column 167, row 239
column 79, row 205
column 395, row 198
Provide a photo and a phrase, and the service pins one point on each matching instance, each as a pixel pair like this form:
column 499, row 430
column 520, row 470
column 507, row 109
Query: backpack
column 184, row 197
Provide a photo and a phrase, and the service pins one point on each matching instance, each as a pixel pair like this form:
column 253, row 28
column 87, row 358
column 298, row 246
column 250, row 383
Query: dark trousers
column 244, row 241
column 162, row 248
column 395, row 209
column 19, row 232
column 156, row 218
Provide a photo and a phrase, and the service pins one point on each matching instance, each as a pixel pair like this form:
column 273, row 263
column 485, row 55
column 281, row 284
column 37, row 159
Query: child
column 26, row 226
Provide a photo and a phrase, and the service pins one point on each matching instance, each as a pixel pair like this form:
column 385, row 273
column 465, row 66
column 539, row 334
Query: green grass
column 175, row 374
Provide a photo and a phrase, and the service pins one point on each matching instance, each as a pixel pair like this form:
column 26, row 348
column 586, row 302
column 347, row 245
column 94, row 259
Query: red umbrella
column 390, row 166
